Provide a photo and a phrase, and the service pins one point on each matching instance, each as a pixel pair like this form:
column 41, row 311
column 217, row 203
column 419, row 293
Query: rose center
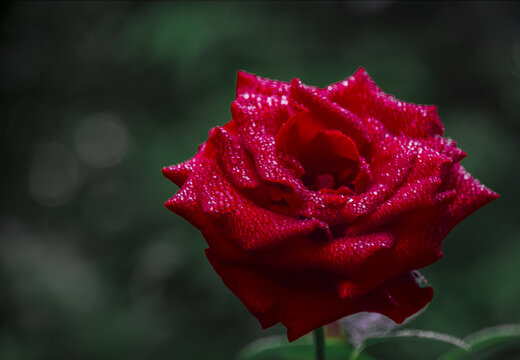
column 329, row 157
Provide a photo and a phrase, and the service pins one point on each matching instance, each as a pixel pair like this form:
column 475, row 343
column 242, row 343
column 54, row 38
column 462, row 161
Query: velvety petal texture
column 320, row 203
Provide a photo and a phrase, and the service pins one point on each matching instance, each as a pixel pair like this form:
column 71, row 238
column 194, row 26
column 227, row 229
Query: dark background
column 97, row 97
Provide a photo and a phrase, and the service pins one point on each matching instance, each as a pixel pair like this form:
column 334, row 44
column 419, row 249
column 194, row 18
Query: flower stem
column 319, row 343
column 354, row 354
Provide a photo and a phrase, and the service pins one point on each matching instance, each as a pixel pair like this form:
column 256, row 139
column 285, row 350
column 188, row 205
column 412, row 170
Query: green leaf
column 485, row 338
column 365, row 325
column 419, row 334
column 277, row 347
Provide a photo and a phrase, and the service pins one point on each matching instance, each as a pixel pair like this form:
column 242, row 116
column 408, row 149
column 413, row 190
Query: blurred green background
column 98, row 96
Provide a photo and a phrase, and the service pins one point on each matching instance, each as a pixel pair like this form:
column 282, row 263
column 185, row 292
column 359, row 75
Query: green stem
column 354, row 354
column 319, row 343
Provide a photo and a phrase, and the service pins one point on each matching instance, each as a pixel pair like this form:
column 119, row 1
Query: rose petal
column 250, row 83
column 236, row 163
column 180, row 172
column 304, row 302
column 184, row 203
column 362, row 131
column 247, row 225
column 259, row 120
column 339, row 209
column 331, row 152
column 297, row 133
column 471, row 195
column 360, row 94
column 348, row 256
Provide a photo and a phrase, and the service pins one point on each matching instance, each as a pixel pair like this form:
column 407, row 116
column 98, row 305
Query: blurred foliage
column 98, row 96
column 278, row 348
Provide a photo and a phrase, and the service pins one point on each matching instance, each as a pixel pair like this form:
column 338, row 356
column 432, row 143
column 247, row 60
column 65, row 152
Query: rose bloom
column 320, row 203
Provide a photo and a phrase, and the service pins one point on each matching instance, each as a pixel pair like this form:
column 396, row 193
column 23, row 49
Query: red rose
column 320, row 203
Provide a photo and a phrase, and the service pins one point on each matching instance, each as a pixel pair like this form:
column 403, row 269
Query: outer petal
column 343, row 257
column 258, row 119
column 247, row 225
column 184, row 203
column 236, row 163
column 250, row 83
column 179, row 173
column 470, row 196
column 360, row 94
column 306, row 301
column 362, row 131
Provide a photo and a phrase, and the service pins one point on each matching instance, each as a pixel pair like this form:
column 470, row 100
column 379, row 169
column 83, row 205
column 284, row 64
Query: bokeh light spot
column 102, row 140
